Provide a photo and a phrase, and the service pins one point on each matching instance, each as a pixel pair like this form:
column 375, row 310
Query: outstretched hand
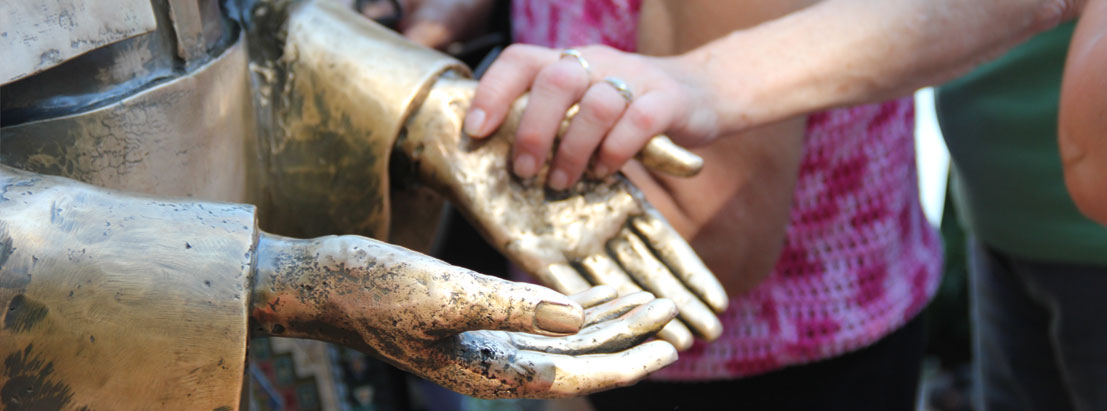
column 472, row 333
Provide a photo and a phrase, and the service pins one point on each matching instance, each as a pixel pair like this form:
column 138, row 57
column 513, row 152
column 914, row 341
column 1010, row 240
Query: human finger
column 647, row 116
column 634, row 256
column 556, row 87
column 506, row 79
column 598, row 111
column 679, row 257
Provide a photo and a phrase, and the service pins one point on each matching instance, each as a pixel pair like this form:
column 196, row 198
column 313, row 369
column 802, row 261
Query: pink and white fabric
column 557, row 23
column 859, row 259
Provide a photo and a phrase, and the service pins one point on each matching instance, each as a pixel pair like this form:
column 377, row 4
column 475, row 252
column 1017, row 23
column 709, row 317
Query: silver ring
column 574, row 53
column 620, row 86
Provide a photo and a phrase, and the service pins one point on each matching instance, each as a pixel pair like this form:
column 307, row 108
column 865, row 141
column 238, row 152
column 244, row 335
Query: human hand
column 665, row 97
column 597, row 232
column 469, row 332
column 433, row 23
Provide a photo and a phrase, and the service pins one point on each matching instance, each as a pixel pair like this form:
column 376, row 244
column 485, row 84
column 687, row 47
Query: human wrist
column 736, row 89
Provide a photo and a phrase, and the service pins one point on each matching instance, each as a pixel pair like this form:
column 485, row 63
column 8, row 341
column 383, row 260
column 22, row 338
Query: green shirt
column 1000, row 123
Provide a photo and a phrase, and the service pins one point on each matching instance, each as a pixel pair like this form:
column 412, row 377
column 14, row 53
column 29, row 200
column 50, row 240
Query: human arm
column 835, row 53
column 736, row 210
column 1083, row 114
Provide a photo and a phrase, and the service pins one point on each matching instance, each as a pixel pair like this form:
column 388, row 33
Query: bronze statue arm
column 347, row 95
column 439, row 321
column 136, row 300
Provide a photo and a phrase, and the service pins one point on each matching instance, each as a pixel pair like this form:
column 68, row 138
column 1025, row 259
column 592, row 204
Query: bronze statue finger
column 670, row 247
column 604, row 270
column 594, row 296
column 564, row 278
column 601, row 269
column 634, row 256
column 677, row 334
column 590, row 373
column 628, row 330
column 615, row 308
column 663, row 155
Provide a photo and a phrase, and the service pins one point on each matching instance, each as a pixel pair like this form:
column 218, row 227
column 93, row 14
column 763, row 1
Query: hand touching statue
column 597, row 232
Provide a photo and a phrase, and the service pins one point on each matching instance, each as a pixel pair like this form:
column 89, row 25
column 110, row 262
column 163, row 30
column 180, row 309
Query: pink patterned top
column 859, row 259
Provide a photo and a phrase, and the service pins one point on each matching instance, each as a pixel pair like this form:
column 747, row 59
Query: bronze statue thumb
column 362, row 287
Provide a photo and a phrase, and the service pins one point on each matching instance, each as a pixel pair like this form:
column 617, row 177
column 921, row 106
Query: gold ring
column 620, row 86
column 574, row 53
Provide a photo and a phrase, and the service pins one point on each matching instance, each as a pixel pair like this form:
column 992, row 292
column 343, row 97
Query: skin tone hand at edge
column 1083, row 114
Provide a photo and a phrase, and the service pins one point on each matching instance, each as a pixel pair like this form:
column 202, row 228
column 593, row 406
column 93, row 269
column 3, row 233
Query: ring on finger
column 620, row 86
column 575, row 54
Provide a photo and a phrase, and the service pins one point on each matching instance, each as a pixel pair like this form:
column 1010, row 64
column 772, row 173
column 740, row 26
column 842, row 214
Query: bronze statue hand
column 469, row 332
column 597, row 232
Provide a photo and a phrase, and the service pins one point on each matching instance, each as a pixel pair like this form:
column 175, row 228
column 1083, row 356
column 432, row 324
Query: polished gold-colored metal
column 38, row 35
column 192, row 136
column 545, row 232
column 114, row 301
column 620, row 86
column 579, row 58
column 332, row 103
column 664, row 156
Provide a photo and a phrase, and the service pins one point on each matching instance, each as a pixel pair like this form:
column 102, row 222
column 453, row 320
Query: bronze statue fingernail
column 558, row 318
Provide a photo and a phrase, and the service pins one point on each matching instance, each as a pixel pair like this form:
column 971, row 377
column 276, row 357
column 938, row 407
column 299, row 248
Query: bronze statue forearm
column 426, row 316
column 123, row 293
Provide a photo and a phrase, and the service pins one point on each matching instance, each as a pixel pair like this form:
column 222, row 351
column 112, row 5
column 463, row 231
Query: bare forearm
column 842, row 52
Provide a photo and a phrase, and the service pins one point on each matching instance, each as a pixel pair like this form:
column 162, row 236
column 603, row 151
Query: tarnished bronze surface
column 114, row 301
column 37, row 35
column 566, row 239
column 438, row 320
column 332, row 94
column 333, row 101
column 192, row 136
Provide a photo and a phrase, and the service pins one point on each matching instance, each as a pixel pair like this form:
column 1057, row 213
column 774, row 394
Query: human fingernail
column 524, row 165
column 558, row 318
column 474, row 122
column 601, row 170
column 559, row 180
